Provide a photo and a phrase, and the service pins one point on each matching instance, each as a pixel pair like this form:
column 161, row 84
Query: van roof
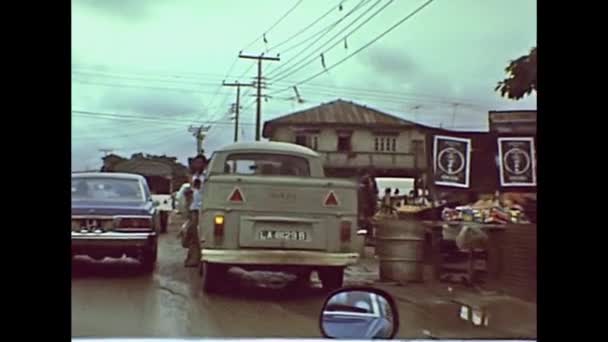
column 269, row 146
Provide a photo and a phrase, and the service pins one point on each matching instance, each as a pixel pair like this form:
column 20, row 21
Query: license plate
column 291, row 235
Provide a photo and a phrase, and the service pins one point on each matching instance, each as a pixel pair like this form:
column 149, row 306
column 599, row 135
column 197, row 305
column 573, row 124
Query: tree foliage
column 521, row 80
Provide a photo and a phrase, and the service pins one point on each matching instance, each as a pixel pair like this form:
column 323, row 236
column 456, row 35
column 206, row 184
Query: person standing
column 387, row 202
column 194, row 201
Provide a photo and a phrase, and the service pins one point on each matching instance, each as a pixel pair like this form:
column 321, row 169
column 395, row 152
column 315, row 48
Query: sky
column 143, row 72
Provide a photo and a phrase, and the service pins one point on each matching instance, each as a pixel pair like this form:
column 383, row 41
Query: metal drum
column 400, row 248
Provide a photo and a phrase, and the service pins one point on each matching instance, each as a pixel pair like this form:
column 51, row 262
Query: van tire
column 332, row 278
column 212, row 275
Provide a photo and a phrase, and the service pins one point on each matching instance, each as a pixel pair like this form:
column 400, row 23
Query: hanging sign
column 517, row 161
column 451, row 161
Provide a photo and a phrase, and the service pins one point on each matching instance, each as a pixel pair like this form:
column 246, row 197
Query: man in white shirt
column 198, row 165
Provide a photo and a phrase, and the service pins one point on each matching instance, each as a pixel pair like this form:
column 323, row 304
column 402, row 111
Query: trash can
column 400, row 249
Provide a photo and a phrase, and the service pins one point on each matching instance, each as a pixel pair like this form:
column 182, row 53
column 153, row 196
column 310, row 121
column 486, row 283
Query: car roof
column 116, row 175
column 269, row 146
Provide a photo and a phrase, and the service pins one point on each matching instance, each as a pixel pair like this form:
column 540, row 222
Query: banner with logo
column 517, row 161
column 451, row 161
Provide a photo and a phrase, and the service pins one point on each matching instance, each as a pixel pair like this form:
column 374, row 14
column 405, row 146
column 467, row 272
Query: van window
column 266, row 164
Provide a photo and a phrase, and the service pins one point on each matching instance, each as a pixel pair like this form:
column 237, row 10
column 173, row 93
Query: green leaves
column 521, row 80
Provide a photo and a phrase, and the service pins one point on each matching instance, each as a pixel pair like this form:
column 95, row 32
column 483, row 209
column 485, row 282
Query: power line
column 263, row 35
column 386, row 92
column 156, row 79
column 303, row 63
column 361, row 48
column 389, row 97
column 130, row 134
column 274, row 47
column 327, row 30
column 141, row 117
column 135, row 86
column 150, row 71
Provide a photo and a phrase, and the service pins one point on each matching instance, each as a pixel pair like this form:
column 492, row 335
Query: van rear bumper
column 278, row 257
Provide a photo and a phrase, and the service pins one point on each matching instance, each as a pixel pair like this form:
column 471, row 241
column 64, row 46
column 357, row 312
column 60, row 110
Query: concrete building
column 351, row 137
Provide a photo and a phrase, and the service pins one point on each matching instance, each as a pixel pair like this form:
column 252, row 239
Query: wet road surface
column 114, row 298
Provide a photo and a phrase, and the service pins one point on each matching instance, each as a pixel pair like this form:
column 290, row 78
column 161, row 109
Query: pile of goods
column 490, row 212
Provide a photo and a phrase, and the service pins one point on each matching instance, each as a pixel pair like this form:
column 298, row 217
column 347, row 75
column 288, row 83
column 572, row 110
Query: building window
column 344, row 143
column 385, row 144
column 310, row 141
column 301, row 140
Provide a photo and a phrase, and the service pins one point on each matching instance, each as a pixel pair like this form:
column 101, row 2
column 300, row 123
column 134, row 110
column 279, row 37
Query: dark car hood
column 110, row 208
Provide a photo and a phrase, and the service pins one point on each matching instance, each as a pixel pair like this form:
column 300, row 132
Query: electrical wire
column 134, row 78
column 361, row 48
column 303, row 63
column 274, row 47
column 140, row 117
column 130, row 134
column 322, row 34
column 136, row 86
column 273, row 25
column 387, row 97
column 386, row 92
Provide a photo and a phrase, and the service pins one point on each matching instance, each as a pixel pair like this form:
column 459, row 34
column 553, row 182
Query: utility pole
column 199, row 134
column 238, row 105
column 258, row 116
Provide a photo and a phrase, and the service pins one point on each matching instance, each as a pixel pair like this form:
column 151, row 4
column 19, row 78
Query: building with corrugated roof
column 351, row 137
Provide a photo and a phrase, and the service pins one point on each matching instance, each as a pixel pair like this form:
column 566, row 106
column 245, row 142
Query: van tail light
column 134, row 224
column 345, row 231
column 218, row 226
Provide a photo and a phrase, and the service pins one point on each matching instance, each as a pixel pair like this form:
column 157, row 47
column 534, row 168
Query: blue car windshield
column 106, row 189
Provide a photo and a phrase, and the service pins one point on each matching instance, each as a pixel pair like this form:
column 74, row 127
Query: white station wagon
column 269, row 206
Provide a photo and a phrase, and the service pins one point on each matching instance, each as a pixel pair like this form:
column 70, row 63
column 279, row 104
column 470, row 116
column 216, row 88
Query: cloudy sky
column 144, row 71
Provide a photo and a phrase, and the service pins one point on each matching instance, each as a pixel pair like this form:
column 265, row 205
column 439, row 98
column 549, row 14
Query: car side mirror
column 359, row 313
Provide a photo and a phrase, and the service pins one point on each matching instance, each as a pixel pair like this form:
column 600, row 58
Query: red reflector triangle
column 236, row 196
column 331, row 199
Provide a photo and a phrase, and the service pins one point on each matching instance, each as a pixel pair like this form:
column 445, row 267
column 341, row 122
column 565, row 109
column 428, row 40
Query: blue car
column 113, row 215
column 357, row 315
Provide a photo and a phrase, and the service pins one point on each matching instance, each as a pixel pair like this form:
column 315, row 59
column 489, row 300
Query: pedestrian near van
column 198, row 165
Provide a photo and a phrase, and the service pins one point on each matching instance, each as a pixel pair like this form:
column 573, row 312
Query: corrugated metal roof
column 339, row 112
